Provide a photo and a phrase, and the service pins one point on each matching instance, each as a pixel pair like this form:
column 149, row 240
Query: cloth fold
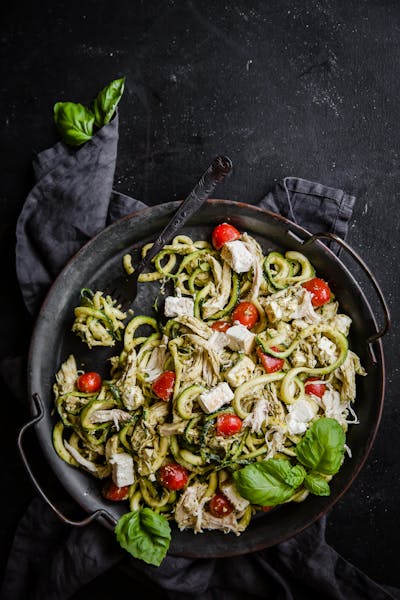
column 73, row 200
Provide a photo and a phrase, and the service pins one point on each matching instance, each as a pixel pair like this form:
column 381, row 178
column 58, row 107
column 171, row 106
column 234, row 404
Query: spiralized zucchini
column 98, row 319
column 128, row 418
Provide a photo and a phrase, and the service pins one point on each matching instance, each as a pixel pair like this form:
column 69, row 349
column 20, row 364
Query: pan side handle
column 386, row 314
column 92, row 517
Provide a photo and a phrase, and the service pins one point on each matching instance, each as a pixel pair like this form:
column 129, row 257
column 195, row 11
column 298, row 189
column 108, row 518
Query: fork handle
column 220, row 167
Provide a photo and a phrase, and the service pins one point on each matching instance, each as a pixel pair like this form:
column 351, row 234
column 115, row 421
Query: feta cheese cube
column 122, row 469
column 230, row 491
column 274, row 311
column 178, row 306
column 237, row 256
column 240, row 372
column 325, row 350
column 291, row 303
column 300, row 413
column 217, row 341
column 342, row 323
column 215, row 398
column 240, row 338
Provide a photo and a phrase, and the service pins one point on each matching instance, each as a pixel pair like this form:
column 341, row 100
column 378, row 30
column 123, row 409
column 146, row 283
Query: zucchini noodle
column 218, row 371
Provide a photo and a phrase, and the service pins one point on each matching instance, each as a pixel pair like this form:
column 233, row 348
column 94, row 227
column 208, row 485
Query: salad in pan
column 235, row 398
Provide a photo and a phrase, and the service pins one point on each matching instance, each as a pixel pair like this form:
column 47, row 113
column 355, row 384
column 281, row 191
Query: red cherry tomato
column 319, row 290
column 316, row 389
column 89, row 382
column 219, row 505
column 173, row 476
column 163, row 386
column 267, row 508
column 220, row 325
column 228, row 424
column 246, row 313
column 224, row 233
column 111, row 491
column 270, row 363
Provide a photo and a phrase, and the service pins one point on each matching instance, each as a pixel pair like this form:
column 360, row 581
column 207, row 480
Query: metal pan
column 100, row 261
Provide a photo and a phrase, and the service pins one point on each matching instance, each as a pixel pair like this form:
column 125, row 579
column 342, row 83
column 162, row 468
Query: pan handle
column 386, row 324
column 95, row 515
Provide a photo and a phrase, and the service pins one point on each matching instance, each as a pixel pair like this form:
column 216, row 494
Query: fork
column 124, row 288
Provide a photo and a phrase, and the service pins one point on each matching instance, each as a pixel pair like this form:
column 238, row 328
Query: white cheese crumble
column 240, row 372
column 217, row 341
column 214, row 399
column 237, row 256
column 342, row 323
column 291, row 303
column 240, row 339
column 326, row 350
column 122, row 469
column 230, row 491
column 300, row 413
column 178, row 306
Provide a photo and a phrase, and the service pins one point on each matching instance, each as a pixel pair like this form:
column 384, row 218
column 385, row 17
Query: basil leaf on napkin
column 269, row 482
column 322, row 447
column 145, row 534
column 74, row 122
column 77, row 123
column 106, row 102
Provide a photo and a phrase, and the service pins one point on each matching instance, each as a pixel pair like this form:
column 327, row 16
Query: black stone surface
column 299, row 88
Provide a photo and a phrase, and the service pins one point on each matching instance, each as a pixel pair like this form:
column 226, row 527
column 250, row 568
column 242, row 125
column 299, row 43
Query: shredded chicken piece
column 114, row 414
column 219, row 294
column 346, row 374
column 198, row 327
column 132, row 395
column 258, row 416
column 254, row 248
column 66, row 377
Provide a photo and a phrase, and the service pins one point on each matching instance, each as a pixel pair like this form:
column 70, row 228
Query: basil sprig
column 322, row 447
column 77, row 123
column 74, row 122
column 145, row 534
column 274, row 481
column 269, row 482
column 106, row 102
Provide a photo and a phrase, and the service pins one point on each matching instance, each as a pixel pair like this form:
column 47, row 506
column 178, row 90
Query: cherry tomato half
column 246, row 313
column 319, row 290
column 163, row 386
column 228, row 424
column 270, row 363
column 221, row 325
column 111, row 491
column 89, row 382
column 219, row 505
column 316, row 389
column 224, row 233
column 173, row 476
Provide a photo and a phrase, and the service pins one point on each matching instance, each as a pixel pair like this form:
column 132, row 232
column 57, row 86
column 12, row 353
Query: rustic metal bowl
column 100, row 261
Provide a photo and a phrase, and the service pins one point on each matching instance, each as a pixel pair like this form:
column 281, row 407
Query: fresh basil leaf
column 296, row 476
column 322, row 447
column 269, row 482
column 74, row 122
column 106, row 101
column 317, row 485
column 145, row 534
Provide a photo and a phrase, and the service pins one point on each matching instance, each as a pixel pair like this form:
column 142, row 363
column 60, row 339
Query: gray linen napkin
column 52, row 561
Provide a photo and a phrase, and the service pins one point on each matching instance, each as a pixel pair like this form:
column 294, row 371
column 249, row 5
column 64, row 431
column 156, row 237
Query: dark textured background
column 303, row 88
